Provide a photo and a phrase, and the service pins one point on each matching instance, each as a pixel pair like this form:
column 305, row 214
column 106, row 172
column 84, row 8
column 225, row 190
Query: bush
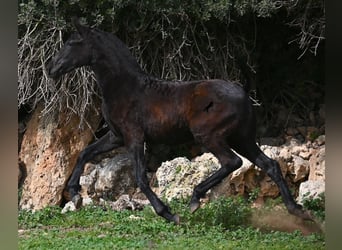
column 170, row 39
column 316, row 205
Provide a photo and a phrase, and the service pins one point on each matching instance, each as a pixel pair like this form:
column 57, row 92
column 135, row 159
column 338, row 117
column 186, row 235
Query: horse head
column 76, row 52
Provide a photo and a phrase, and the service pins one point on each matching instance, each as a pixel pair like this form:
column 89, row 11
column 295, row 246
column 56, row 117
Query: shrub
column 316, row 205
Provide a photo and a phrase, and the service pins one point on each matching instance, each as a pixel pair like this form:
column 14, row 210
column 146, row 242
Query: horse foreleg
column 159, row 207
column 106, row 143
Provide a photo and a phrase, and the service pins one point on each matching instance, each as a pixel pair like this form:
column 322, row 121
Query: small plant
column 253, row 195
column 316, row 205
column 228, row 212
column 272, row 202
column 30, row 219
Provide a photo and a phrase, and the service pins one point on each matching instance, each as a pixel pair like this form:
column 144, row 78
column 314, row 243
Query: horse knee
column 142, row 184
column 274, row 170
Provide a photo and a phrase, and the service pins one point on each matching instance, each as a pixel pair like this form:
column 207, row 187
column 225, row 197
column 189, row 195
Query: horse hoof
column 176, row 219
column 194, row 205
column 77, row 200
column 307, row 215
column 303, row 214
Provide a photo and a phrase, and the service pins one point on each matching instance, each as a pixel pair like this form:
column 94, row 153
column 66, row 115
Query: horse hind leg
column 229, row 162
column 253, row 153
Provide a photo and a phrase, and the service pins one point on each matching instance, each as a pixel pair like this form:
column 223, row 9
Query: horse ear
column 82, row 29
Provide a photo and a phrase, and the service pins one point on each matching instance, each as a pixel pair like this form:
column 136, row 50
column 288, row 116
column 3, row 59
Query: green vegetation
column 280, row 44
column 317, row 205
column 222, row 224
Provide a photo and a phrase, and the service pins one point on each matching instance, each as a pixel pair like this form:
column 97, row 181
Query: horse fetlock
column 165, row 212
column 194, row 204
column 77, row 200
column 298, row 211
column 176, row 219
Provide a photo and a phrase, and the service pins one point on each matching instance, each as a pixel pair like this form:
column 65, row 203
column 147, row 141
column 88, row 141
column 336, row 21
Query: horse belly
column 168, row 134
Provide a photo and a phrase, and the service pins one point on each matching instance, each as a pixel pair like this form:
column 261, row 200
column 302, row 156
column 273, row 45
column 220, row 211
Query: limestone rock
column 310, row 189
column 177, row 178
column 109, row 178
column 70, row 206
column 317, row 165
column 300, row 168
column 126, row 202
column 49, row 151
column 235, row 183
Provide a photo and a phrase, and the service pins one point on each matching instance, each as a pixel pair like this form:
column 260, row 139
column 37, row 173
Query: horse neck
column 116, row 70
column 117, row 81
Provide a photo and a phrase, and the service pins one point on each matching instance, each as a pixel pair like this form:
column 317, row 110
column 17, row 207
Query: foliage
column 171, row 39
column 40, row 36
column 97, row 228
column 316, row 205
column 227, row 212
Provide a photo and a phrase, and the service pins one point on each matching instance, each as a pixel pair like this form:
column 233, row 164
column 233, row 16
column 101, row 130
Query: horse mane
column 119, row 54
column 116, row 51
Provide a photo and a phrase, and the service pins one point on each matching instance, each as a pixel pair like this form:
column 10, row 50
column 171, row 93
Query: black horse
column 141, row 109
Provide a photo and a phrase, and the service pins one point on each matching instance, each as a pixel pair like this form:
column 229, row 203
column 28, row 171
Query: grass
column 223, row 224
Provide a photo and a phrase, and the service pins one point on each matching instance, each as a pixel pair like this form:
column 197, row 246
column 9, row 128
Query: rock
column 70, row 206
column 310, row 189
column 305, row 154
column 285, row 153
column 292, row 141
column 126, row 202
column 235, row 183
column 110, row 178
column 49, row 152
column 317, row 165
column 87, row 201
column 300, row 168
column 268, row 188
column 88, row 179
column 320, row 140
column 177, row 178
column 270, row 151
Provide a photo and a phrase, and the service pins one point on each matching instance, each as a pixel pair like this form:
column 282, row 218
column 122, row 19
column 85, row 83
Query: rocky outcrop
column 298, row 162
column 48, row 154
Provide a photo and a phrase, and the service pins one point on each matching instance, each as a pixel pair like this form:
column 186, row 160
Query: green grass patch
column 222, row 224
